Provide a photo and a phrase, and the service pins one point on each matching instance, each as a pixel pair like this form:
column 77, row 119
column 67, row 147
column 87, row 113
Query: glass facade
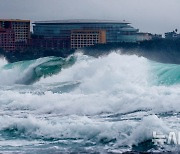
column 115, row 31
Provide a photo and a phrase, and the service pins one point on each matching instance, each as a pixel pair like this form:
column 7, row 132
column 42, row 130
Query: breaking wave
column 85, row 104
column 28, row 72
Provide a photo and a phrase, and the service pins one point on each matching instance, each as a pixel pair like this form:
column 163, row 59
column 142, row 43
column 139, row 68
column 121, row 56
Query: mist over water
column 85, row 104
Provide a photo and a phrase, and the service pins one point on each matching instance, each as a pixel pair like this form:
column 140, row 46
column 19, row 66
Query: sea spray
column 28, row 72
column 108, row 104
column 2, row 62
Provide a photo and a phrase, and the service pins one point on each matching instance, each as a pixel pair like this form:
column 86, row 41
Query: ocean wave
column 28, row 72
column 113, row 102
column 127, row 134
column 125, row 68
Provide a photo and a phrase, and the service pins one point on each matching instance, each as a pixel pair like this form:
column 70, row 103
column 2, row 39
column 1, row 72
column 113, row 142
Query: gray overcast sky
column 156, row 16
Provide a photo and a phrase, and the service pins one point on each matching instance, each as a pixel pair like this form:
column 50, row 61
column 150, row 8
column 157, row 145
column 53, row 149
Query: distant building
column 172, row 35
column 7, row 39
column 21, row 30
column 144, row 36
column 156, row 36
column 49, row 43
column 85, row 38
column 116, row 31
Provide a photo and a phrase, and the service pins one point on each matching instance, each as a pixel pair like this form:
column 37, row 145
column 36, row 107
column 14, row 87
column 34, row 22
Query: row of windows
column 85, row 36
column 81, row 46
column 92, row 40
column 20, row 28
column 83, row 39
column 85, row 33
column 21, row 36
column 8, row 47
column 5, row 36
column 20, row 32
column 88, row 27
column 20, row 24
column 95, row 38
column 7, row 43
column 85, row 42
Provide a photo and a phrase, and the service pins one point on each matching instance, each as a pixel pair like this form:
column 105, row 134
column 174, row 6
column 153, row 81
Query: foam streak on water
column 106, row 104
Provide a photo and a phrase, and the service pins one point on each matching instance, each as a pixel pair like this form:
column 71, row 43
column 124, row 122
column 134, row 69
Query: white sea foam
column 2, row 62
column 108, row 70
column 115, row 99
column 127, row 133
column 111, row 84
column 17, row 72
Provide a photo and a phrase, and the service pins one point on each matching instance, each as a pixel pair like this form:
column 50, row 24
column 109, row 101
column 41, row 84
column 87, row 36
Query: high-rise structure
column 49, row 43
column 85, row 38
column 7, row 39
column 21, row 30
column 116, row 31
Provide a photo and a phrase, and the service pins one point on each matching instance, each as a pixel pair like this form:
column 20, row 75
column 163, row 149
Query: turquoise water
column 84, row 104
column 167, row 74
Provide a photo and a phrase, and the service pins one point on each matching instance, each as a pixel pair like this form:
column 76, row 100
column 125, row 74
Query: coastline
column 160, row 50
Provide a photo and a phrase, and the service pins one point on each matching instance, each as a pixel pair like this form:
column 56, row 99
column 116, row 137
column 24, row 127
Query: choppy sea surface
column 82, row 104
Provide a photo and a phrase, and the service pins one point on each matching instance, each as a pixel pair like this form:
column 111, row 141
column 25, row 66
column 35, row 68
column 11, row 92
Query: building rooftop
column 80, row 21
column 14, row 20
